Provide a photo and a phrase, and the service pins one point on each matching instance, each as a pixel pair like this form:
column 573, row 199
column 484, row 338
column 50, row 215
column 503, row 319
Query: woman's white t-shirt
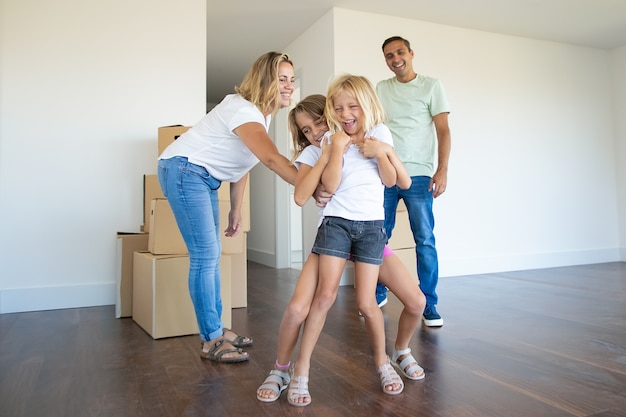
column 212, row 144
column 360, row 194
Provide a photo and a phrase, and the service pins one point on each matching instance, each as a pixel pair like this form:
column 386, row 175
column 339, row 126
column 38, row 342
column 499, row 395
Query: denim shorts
column 363, row 241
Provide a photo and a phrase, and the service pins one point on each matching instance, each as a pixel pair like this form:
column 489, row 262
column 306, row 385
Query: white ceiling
column 238, row 31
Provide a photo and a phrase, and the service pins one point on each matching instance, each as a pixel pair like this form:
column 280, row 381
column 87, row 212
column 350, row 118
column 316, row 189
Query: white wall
column 532, row 180
column 313, row 56
column 619, row 110
column 83, row 88
column 262, row 245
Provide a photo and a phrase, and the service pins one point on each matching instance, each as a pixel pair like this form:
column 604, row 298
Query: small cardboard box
column 169, row 134
column 223, row 195
column 239, row 278
column 161, row 302
column 231, row 245
column 409, row 259
column 127, row 244
column 151, row 190
column 402, row 236
column 164, row 237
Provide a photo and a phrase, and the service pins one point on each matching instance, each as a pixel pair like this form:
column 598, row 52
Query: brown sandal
column 221, row 348
column 237, row 341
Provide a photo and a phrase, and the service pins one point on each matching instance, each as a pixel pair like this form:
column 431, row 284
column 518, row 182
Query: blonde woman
column 223, row 146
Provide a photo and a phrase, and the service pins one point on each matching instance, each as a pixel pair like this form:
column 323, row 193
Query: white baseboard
column 75, row 296
column 489, row 265
column 53, row 298
column 260, row 257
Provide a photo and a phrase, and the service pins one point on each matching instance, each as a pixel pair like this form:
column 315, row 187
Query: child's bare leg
column 365, row 280
column 395, row 276
column 293, row 317
column 330, row 269
column 366, row 277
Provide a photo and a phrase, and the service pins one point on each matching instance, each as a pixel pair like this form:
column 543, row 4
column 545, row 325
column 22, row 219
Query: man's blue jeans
column 192, row 195
column 419, row 204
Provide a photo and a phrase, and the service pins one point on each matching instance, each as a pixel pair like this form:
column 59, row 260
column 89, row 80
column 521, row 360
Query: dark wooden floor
column 546, row 342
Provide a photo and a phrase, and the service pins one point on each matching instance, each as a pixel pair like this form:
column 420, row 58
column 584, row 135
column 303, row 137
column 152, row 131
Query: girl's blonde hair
column 362, row 90
column 312, row 105
column 260, row 85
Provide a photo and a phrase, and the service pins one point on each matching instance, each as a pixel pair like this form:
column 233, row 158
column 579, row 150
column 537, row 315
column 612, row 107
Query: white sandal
column 407, row 366
column 277, row 381
column 298, row 388
column 389, row 376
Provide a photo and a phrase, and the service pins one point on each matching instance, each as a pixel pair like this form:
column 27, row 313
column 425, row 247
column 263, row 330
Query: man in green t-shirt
column 417, row 115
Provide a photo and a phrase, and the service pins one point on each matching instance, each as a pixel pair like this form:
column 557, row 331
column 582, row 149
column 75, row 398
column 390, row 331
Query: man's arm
column 440, row 178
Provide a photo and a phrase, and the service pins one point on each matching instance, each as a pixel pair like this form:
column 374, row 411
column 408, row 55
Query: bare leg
column 366, row 276
column 395, row 276
column 330, row 269
column 293, row 317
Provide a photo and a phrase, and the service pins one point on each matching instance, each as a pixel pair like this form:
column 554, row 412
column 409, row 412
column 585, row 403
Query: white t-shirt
column 211, row 143
column 360, row 194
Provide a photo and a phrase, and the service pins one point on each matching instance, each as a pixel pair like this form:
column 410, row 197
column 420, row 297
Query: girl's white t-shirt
column 360, row 194
column 212, row 144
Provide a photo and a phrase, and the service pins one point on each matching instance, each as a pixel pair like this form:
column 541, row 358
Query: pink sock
column 282, row 367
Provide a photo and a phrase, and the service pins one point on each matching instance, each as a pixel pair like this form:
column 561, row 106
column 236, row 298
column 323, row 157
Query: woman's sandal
column 299, row 389
column 236, row 340
column 407, row 366
column 277, row 381
column 220, row 348
column 388, row 377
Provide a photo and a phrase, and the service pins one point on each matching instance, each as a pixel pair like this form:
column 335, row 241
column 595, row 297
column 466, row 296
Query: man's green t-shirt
column 409, row 109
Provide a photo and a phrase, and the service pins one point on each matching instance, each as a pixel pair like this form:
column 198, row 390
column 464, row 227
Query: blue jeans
column 419, row 204
column 192, row 195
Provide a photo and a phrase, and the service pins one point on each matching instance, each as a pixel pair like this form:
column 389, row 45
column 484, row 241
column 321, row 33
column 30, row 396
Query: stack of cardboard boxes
column 402, row 241
column 156, row 262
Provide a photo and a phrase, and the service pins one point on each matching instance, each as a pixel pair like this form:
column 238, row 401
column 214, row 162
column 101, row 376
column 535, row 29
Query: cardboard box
column 223, row 195
column 164, row 237
column 401, row 206
column 169, row 134
column 409, row 258
column 127, row 244
column 226, row 272
column 151, row 190
column 402, row 236
column 239, row 278
column 230, row 245
column 161, row 302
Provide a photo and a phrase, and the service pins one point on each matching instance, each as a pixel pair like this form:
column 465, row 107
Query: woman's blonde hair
column 362, row 90
column 312, row 105
column 260, row 85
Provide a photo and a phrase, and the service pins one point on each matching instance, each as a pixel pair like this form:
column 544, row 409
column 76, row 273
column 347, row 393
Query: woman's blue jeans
column 419, row 204
column 192, row 195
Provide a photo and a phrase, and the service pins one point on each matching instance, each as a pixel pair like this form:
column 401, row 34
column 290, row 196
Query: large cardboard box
column 402, row 236
column 169, row 134
column 151, row 190
column 161, row 302
column 127, row 244
column 409, row 258
column 164, row 237
column 226, row 272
